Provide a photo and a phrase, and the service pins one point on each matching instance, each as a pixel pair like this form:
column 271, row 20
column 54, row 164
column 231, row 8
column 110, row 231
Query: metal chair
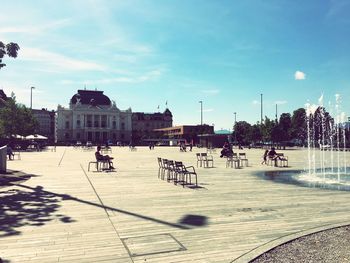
column 206, row 159
column 243, row 158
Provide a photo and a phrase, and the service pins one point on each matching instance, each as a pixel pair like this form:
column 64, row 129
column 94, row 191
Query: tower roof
column 90, row 97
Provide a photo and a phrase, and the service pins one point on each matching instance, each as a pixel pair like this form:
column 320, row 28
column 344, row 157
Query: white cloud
column 255, row 102
column 135, row 79
column 56, row 60
column 299, row 75
column 35, row 29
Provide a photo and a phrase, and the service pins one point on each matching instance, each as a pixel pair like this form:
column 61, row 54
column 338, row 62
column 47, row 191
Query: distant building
column 46, row 120
column 216, row 140
column 93, row 117
column 144, row 124
column 188, row 133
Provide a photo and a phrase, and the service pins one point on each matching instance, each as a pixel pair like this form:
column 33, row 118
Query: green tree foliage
column 281, row 131
column 266, row 129
column 10, row 49
column 299, row 127
column 15, row 118
column 255, row 133
column 242, row 131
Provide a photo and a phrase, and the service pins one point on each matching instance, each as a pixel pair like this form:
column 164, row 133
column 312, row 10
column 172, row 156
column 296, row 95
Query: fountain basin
column 326, row 178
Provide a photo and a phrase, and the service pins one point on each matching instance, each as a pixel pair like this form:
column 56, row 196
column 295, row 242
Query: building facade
column 47, row 125
column 186, row 133
column 144, row 124
column 92, row 116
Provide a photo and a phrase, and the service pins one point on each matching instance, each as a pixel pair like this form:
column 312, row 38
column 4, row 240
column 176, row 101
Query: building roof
column 151, row 116
column 90, row 97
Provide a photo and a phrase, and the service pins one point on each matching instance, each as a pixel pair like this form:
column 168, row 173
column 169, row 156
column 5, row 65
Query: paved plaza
column 56, row 211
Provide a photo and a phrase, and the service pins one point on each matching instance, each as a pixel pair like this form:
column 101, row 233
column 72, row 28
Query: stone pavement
column 61, row 212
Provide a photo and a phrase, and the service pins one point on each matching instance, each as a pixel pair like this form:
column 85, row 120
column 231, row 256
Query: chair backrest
column 242, row 155
column 171, row 164
column 198, row 156
column 234, row 155
column 160, row 163
column 165, row 163
column 204, row 154
column 280, row 154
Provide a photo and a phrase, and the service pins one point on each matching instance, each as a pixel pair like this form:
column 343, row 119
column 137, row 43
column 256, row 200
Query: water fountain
column 326, row 149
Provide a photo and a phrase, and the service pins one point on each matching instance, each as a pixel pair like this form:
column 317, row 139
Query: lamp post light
column 31, row 97
column 201, row 102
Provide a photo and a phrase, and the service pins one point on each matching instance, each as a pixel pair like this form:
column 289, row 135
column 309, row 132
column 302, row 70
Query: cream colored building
column 92, row 116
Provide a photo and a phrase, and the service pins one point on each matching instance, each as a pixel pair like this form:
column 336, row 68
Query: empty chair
column 233, row 160
column 171, row 170
column 186, row 173
column 199, row 159
column 207, row 159
column 161, row 169
column 283, row 159
column 243, row 158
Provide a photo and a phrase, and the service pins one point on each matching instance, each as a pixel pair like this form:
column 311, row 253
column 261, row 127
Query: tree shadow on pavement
column 20, row 208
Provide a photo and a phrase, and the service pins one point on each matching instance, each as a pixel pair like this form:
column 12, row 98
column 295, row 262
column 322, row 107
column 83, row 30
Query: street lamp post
column 201, row 102
column 31, row 97
column 235, row 113
column 261, row 108
column 276, row 114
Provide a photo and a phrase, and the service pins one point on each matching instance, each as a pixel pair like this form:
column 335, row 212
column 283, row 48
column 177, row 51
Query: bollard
column 3, row 159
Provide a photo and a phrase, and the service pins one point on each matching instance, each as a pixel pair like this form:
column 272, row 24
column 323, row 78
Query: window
column 123, row 126
column 67, row 124
column 89, row 121
column 114, row 124
column 103, row 121
column 78, row 123
column 78, row 135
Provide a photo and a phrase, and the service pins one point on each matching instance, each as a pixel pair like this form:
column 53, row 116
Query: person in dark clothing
column 265, row 157
column 100, row 157
column 273, row 155
column 10, row 152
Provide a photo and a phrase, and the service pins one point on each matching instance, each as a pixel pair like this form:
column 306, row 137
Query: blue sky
column 144, row 53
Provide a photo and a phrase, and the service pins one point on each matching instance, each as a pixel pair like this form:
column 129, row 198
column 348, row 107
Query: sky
column 149, row 54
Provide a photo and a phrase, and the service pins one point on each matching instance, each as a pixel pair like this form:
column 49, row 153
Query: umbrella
column 36, row 137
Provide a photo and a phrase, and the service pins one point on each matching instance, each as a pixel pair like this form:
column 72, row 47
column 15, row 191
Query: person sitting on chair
column 10, row 152
column 273, row 156
column 100, row 157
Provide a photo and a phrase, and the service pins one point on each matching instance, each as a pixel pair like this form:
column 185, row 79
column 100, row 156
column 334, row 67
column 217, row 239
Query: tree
column 16, row 118
column 242, row 132
column 11, row 50
column 255, row 133
column 298, row 129
column 285, row 124
column 266, row 129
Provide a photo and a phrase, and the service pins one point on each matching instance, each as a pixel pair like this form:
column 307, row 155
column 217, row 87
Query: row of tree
column 290, row 129
column 16, row 119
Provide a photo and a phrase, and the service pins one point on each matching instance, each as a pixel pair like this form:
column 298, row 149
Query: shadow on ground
column 27, row 208
column 194, row 220
column 11, row 177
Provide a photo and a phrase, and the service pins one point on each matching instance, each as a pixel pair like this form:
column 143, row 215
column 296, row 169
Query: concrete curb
column 254, row 253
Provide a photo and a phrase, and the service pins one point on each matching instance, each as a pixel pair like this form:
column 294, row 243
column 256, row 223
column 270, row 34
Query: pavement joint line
column 64, row 152
column 105, row 209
